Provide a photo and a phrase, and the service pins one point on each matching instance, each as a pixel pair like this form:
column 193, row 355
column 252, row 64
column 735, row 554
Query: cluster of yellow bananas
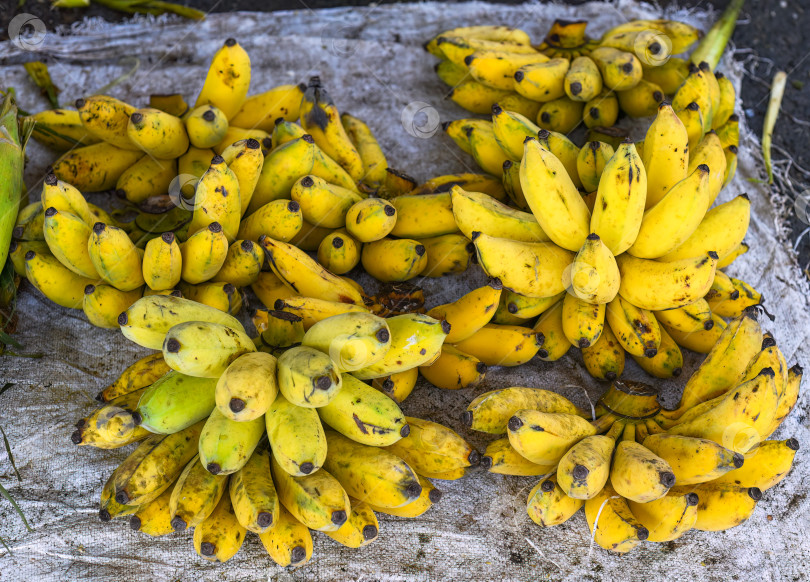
column 643, row 473
column 568, row 79
column 626, row 237
column 336, row 452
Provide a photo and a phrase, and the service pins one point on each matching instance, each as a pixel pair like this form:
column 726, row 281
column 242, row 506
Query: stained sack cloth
column 372, row 62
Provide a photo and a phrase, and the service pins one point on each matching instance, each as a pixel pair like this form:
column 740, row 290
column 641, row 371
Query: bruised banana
column 195, row 495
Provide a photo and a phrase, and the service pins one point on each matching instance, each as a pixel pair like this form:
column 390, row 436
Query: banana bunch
column 569, row 78
column 643, row 473
column 632, row 266
column 278, row 435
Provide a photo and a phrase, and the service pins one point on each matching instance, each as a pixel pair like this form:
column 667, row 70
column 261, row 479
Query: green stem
column 774, row 105
column 714, row 43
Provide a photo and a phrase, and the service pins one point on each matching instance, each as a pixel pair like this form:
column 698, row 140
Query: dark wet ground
column 775, row 31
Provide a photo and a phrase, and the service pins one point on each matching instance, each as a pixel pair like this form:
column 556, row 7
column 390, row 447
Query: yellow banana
column 788, row 398
column 263, row 109
column 282, row 167
column 593, row 275
column 352, row 340
column 693, row 317
column 601, row 111
column 289, row 542
column 308, row 377
column 253, row 494
column 702, row 340
column 542, row 81
column 111, row 425
column 322, row 203
column 103, row 304
column 192, row 165
column 195, row 495
column 397, row 386
column 427, row 499
column 692, row 117
column 667, row 362
column 693, row 460
column 669, row 75
column 61, row 129
column 364, row 414
column 476, row 211
column 296, row 437
column 67, row 235
column 371, row 219
column 280, row 219
column 454, row 370
column 153, row 517
column 371, row 154
column 709, row 151
column 204, row 349
column 765, row 465
column 248, row 387
column 284, row 131
column 458, row 43
column 447, row 254
column 18, row 249
column 636, row 329
column 228, row 79
column 548, row 505
column 491, row 411
column 173, row 103
column 582, row 321
column 242, row 264
column 699, row 87
column 54, row 280
column 620, row 70
column 106, row 118
column 727, row 102
column 433, row 448
column 236, row 134
column 245, row 160
column 561, row 115
column 96, row 167
column 724, row 505
column 394, row 259
column 638, row 474
column 158, row 133
column 524, row 307
column 604, row 360
column 583, row 81
column 655, row 285
column 550, row 326
column 476, row 97
column 371, row 474
column 313, row 310
column 666, row 156
column 643, row 100
column 145, row 178
column 502, row 345
column 203, row 254
column 142, row 373
column 669, row 517
column 584, row 470
column 162, row 262
column 115, row 257
column 502, row 459
column 216, row 200
column 220, row 536
column 497, row 69
column 544, row 437
column 612, row 524
column 511, row 184
column 206, row 126
column 339, row 252
column 640, row 35
column 591, row 162
column 360, row 529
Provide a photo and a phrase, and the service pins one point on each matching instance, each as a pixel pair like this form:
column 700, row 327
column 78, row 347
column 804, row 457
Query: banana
column 722, row 228
column 543, row 81
column 280, row 219
column 18, row 249
column 148, row 320
column 746, row 296
column 364, row 414
column 162, row 262
column 204, row 349
column 788, row 398
column 281, row 169
column 502, row 345
column 669, row 75
column 226, row 445
column 112, row 425
column 594, row 275
column 360, row 529
column 476, row 211
column 724, row 505
column 584, row 470
column 160, row 134
column 524, row 308
column 371, row 219
column 696, row 316
column 264, row 109
column 371, row 154
column 496, row 69
column 115, row 257
column 310, row 237
column 454, row 370
column 729, row 134
column 391, row 259
column 397, row 386
column 96, row 167
column 604, row 360
column 511, row 184
column 371, row 474
column 61, row 129
column 511, row 130
column 409, row 332
column 242, row 264
column 289, row 542
column 490, row 412
column 322, row 203
column 54, row 280
column 676, row 36
column 699, row 87
column 765, row 465
column 638, row 474
column 583, row 81
column 667, row 363
column 253, row 494
column 550, row 326
column 67, row 235
column 308, row 377
column 153, row 517
column 296, row 437
column 666, row 156
column 669, row 517
column 317, row 500
column 469, row 313
column 476, row 97
column 203, row 254
column 502, row 459
column 591, row 162
column 726, row 362
column 636, row 330
column 447, row 254
column 427, row 499
column 727, row 101
column 216, row 200
column 457, row 44
column 299, row 272
column 423, row 216
column 531, row 269
column 227, row 82
column 219, row 537
column 248, row 387
column 692, row 117
column 693, row 460
column 612, row 524
column 544, row 437
column 145, row 178
column 313, row 310
column 103, row 304
column 620, row 70
column 222, row 296
column 138, row 375
column 31, row 218
column 174, row 402
column 548, row 505
column 195, row 495
column 674, row 218
column 206, row 126
column 460, row 129
column 351, row 340
column 655, row 285
column 433, row 448
column 109, row 508
column 643, row 100
column 601, row 111
column 582, row 321
column 709, row 151
column 193, row 164
column 702, row 340
column 154, row 465
column 561, row 115
column 245, row 160
column 269, row 289
column 106, row 118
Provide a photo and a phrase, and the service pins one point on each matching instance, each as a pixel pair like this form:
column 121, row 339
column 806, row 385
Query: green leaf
column 10, row 499
column 10, row 456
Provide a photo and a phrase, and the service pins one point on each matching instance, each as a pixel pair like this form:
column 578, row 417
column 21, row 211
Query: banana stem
column 774, row 105
column 13, row 137
column 714, row 43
